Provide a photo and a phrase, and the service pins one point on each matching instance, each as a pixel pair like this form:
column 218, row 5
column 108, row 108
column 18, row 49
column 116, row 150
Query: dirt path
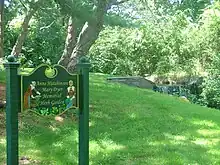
column 2, row 124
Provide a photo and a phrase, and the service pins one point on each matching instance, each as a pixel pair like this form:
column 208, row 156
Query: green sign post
column 12, row 108
column 83, row 67
column 50, row 88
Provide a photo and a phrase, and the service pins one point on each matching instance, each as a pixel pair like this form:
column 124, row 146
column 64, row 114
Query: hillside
column 128, row 126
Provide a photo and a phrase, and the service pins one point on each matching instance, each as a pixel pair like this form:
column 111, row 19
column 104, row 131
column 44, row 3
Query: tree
column 30, row 10
column 70, row 42
column 89, row 31
column 193, row 7
column 1, row 27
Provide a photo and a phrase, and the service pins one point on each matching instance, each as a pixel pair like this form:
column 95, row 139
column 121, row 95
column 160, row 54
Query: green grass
column 128, row 126
column 24, row 71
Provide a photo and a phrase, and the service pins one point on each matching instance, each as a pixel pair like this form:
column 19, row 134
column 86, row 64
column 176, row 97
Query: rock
column 184, row 98
column 138, row 81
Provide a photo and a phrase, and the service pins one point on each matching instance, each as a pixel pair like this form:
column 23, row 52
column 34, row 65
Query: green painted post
column 83, row 67
column 12, row 106
column 19, row 93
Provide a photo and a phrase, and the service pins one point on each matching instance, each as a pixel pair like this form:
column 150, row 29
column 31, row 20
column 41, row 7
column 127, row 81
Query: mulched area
column 26, row 160
column 2, row 89
column 2, row 95
column 2, row 123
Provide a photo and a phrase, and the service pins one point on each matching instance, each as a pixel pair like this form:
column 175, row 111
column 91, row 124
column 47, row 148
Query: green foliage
column 211, row 87
column 50, row 111
column 193, row 8
column 39, row 48
column 167, row 44
column 208, row 42
column 149, row 48
column 46, row 37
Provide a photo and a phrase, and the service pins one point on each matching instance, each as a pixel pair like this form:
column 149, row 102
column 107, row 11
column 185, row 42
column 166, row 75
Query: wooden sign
column 49, row 88
column 46, row 87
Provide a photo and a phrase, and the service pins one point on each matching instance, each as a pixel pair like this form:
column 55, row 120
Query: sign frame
column 56, row 66
column 13, row 99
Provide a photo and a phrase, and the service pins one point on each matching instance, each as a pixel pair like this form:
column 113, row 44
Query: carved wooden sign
column 49, row 88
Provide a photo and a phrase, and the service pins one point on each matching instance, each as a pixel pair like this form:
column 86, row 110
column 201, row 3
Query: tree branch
column 115, row 3
column 22, row 3
column 48, row 26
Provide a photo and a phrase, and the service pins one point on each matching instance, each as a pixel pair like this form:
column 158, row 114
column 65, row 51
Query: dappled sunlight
column 175, row 137
column 156, row 143
column 27, row 143
column 99, row 74
column 33, row 152
column 132, row 115
column 202, row 142
column 91, row 123
column 180, row 139
column 3, row 142
column 97, row 84
column 105, row 84
column 214, row 152
column 53, row 128
column 99, row 114
column 103, row 149
column 209, row 132
column 58, row 144
column 109, row 145
column 176, row 117
column 204, row 123
column 72, row 137
column 105, row 146
column 207, row 142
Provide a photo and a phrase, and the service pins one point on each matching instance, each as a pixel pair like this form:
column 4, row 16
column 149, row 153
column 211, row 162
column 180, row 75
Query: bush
column 211, row 87
column 150, row 48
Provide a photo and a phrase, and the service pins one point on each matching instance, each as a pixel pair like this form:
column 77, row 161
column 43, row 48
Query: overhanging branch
column 22, row 3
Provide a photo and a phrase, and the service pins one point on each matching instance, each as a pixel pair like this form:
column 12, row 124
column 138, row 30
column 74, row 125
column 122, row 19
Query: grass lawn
column 128, row 126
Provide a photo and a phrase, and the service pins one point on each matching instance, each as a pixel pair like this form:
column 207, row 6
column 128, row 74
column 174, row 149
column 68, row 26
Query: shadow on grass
column 49, row 142
column 132, row 126
column 147, row 141
column 128, row 126
column 135, row 127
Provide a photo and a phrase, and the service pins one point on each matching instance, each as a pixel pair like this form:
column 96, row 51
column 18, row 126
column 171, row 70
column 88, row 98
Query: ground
column 128, row 126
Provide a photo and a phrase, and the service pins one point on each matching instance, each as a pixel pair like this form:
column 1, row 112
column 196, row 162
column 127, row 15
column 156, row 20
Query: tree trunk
column 21, row 38
column 24, row 30
column 69, row 44
column 87, row 36
column 1, row 28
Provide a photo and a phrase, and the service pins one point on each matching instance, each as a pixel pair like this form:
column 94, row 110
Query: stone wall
column 138, row 81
